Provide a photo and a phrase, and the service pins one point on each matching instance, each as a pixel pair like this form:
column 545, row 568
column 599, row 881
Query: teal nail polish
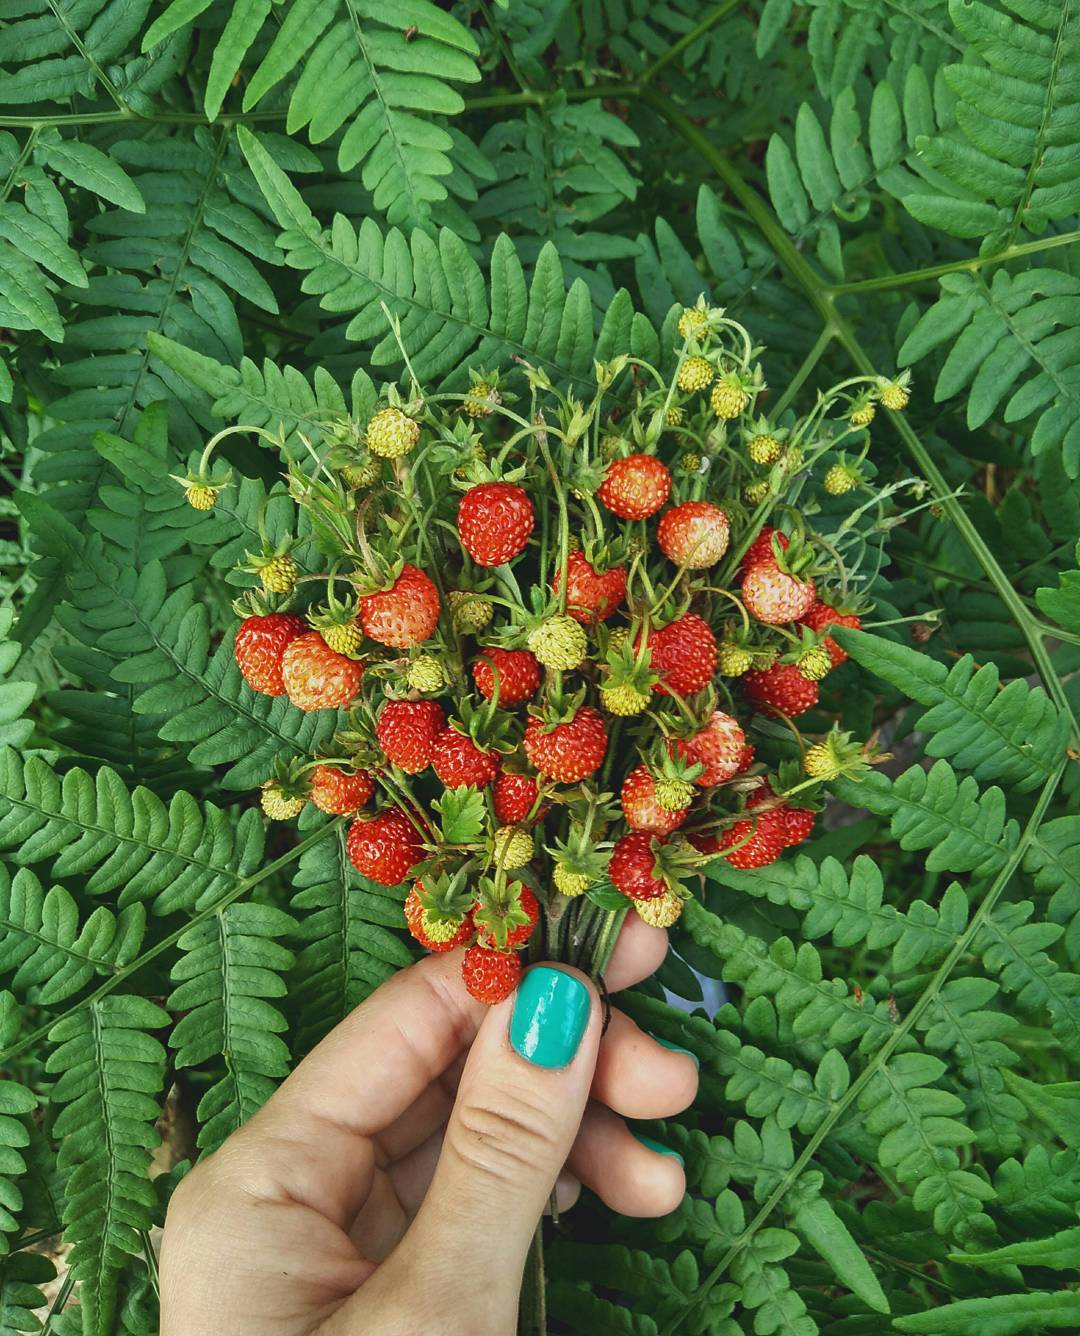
column 658, row 1147
column 551, row 1012
column 678, row 1048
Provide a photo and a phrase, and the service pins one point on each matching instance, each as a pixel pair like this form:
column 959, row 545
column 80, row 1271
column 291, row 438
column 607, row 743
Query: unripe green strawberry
column 674, row 794
column 511, row 848
column 862, row 414
column 279, row 574
column 732, row 660
column 841, row 478
column 756, row 492
column 569, row 882
column 365, row 473
column 694, row 374
column 559, row 643
column 693, row 322
column 343, row 637
column 764, row 449
column 792, row 459
column 661, row 912
column 674, row 417
column 820, row 762
column 440, row 930
column 471, row 612
column 690, row 464
column 729, row 399
column 623, row 700
column 816, row 663
column 611, row 447
column 392, row 433
column 426, row 674
column 278, row 804
column 481, row 399
column 895, row 396
column 200, row 497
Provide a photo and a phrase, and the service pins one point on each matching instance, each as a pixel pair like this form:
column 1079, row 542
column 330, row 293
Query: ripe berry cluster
column 556, row 634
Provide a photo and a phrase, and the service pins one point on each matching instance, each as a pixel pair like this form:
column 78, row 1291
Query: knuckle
column 503, row 1137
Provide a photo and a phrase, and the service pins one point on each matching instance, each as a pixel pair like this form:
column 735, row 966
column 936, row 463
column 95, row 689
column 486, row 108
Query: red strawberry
column 761, row 549
column 490, row 976
column 819, row 617
column 765, row 840
column 719, row 748
column 683, row 653
column 694, row 535
column 315, row 677
column 568, row 752
column 631, row 867
column 459, row 762
column 384, row 848
column 773, row 596
column 517, row 937
column 635, row 487
column 260, row 643
column 514, row 796
column 641, row 807
column 403, row 615
column 781, row 689
column 591, row 595
column 746, row 758
column 519, row 674
column 414, row 913
column 407, row 729
column 340, row 792
column 495, row 520
column 705, row 841
column 798, row 824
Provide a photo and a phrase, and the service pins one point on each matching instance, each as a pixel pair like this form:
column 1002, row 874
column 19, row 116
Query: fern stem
column 504, row 46
column 115, row 980
column 941, row 975
column 688, row 39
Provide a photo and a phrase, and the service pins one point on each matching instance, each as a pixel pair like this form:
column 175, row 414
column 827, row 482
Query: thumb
column 519, row 1104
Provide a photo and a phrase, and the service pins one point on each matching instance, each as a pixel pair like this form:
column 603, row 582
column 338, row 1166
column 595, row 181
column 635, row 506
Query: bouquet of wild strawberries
column 554, row 631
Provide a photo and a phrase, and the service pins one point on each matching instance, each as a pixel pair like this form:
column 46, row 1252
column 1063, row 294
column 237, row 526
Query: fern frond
column 22, row 1276
column 16, row 1104
column 231, row 965
column 110, row 1072
column 1011, row 348
column 1014, row 734
column 1063, row 603
column 1044, row 1186
column 845, row 36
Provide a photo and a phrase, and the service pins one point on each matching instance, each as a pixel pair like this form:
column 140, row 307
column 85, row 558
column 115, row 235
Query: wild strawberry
column 385, row 847
column 642, row 808
column 392, row 433
column 756, row 492
column 559, row 643
column 773, row 596
column 635, row 487
column 494, row 521
column 729, row 399
column 632, row 866
column 511, row 848
column 518, row 670
column 278, row 803
column 706, row 842
column 662, row 912
column 761, row 840
column 481, row 399
column 624, row 699
column 862, row 414
column 761, row 549
column 746, row 758
column 732, row 659
column 259, row 646
column 895, row 395
column 426, row 674
column 460, row 763
column 815, row 663
column 403, row 615
column 407, row 729
column 315, row 677
column 570, row 751
column 591, row 595
column 435, row 935
column 278, row 573
column 820, row 616
column 694, row 535
column 718, row 747
column 764, row 449
column 513, row 797
column 342, row 637
column 490, row 976
column 841, row 479
column 200, row 497
column 569, row 882
column 693, row 323
column 695, row 374
column 781, row 688
column 798, row 824
column 683, row 654
column 506, row 920
column 340, row 792
column 471, row 612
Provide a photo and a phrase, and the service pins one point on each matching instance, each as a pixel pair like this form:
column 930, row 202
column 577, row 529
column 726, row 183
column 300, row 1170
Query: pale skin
column 393, row 1183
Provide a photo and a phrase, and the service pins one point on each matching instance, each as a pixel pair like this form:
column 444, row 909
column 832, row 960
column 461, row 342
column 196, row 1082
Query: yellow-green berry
column 279, row 805
column 623, row 700
column 363, row 473
column 438, row 928
column 693, row 322
column 200, row 497
column 820, row 762
column 481, row 400
column 863, row 414
column 840, row 479
column 764, row 449
column 674, row 416
column 661, row 912
column 392, row 433
column 673, row 794
column 690, row 463
column 815, row 663
column 426, row 674
column 792, row 459
column 471, row 612
column 895, row 396
column 728, row 399
column 569, row 882
column 342, row 637
column 511, row 848
column 612, row 447
column 756, row 492
column 695, row 374
column 559, row 643
column 733, row 660
column 279, row 575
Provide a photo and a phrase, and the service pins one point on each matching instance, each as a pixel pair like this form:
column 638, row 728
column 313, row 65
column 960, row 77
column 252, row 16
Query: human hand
column 393, row 1183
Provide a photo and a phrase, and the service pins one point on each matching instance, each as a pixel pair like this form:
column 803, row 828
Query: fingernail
column 677, row 1048
column 658, row 1147
column 551, row 1012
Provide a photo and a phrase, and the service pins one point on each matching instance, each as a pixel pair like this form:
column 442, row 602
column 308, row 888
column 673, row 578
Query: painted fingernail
column 551, row 1012
column 658, row 1147
column 677, row 1048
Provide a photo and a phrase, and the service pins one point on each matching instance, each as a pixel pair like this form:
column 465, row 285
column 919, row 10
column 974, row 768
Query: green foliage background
column 209, row 212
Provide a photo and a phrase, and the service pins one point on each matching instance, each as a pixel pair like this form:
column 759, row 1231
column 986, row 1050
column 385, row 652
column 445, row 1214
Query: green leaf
column 246, row 18
column 463, row 815
column 1057, row 1105
column 1059, row 1252
column 86, row 166
column 827, row 1234
column 1063, row 603
column 1000, row 1315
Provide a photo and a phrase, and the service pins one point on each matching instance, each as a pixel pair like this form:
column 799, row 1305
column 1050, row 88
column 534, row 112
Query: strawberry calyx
column 498, row 911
